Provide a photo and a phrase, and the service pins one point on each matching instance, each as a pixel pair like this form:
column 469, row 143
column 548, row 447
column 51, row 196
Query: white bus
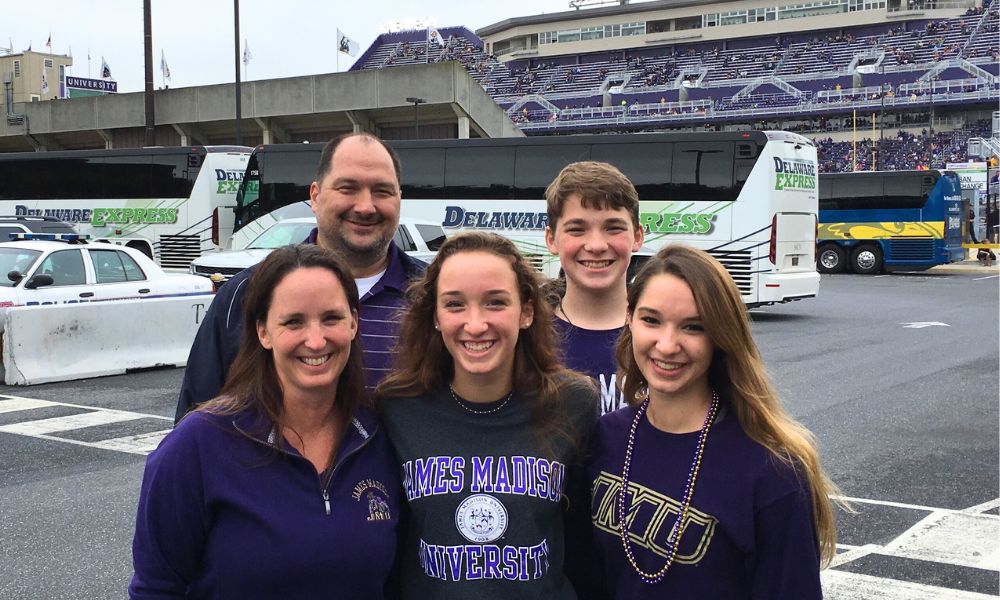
column 748, row 198
column 173, row 204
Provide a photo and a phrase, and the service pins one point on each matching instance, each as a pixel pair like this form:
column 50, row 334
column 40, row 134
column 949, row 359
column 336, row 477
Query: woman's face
column 480, row 315
column 671, row 348
column 309, row 329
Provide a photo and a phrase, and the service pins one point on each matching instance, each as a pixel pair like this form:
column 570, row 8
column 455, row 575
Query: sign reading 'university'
column 101, row 85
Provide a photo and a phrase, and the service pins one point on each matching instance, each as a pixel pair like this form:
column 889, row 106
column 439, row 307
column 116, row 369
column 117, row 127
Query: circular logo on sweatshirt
column 481, row 518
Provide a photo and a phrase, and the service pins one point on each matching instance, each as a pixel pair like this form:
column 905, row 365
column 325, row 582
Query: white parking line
column 985, row 506
column 16, row 404
column 141, row 444
column 963, row 539
column 840, row 585
column 915, row 506
column 78, row 421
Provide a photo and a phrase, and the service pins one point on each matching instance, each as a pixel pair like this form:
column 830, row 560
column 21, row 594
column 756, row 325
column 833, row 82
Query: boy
column 593, row 226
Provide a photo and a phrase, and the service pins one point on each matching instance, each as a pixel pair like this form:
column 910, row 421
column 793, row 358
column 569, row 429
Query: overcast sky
column 286, row 37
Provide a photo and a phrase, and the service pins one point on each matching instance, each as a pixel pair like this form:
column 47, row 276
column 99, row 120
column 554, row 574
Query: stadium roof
column 587, row 13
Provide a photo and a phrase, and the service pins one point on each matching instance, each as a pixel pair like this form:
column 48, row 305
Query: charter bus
column 748, row 198
column 889, row 221
column 173, row 203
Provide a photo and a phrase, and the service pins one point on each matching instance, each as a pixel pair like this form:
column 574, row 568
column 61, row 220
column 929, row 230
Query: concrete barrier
column 42, row 344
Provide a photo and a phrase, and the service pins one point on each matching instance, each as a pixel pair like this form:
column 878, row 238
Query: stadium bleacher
column 906, row 68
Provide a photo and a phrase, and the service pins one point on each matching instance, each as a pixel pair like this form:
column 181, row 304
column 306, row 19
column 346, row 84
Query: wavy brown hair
column 253, row 381
column 423, row 363
column 737, row 373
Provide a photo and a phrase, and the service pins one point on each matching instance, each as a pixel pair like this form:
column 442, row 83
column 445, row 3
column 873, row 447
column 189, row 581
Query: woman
column 707, row 445
column 283, row 486
column 488, row 427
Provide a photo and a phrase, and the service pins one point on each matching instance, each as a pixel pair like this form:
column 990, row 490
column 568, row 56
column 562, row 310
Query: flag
column 49, row 43
column 105, row 69
column 434, row 37
column 45, row 79
column 164, row 69
column 346, row 44
column 246, row 53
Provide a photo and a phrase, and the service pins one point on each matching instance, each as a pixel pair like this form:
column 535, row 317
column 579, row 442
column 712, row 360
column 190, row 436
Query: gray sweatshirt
column 488, row 501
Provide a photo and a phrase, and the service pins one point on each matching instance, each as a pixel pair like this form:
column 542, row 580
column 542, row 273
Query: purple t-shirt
column 749, row 532
column 592, row 352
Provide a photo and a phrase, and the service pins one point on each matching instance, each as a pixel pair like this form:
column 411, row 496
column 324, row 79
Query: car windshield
column 15, row 259
column 282, row 234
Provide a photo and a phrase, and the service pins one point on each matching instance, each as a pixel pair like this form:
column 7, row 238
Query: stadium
column 879, row 85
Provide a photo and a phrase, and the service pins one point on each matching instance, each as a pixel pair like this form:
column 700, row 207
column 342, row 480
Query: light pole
column 416, row 116
column 236, row 51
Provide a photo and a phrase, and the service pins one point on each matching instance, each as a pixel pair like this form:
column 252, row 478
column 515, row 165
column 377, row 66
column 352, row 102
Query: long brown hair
column 253, row 381
column 424, row 364
column 737, row 373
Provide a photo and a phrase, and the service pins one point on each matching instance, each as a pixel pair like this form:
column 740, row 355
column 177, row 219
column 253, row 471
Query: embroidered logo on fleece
column 481, row 518
column 374, row 493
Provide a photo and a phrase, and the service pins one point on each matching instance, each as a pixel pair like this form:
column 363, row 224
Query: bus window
column 479, row 173
column 537, row 166
column 703, row 171
column 288, row 177
column 904, row 192
column 131, row 177
column 646, row 165
column 422, row 172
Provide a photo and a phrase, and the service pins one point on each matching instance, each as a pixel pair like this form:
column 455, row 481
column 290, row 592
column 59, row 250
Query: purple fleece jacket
column 224, row 512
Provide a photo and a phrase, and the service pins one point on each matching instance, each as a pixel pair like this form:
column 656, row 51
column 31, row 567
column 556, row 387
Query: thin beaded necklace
column 481, row 412
column 673, row 543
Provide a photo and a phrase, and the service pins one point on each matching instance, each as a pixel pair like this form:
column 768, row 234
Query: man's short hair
column 326, row 159
column 599, row 185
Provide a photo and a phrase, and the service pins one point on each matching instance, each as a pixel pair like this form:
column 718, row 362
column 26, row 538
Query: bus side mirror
column 15, row 276
column 38, row 281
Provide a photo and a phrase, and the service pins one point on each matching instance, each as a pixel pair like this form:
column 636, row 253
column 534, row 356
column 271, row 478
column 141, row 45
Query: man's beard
column 357, row 254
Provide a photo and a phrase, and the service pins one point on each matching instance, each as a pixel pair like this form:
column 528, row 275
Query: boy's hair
column 600, row 186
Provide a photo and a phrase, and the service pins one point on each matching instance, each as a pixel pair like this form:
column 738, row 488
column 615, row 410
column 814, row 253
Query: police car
column 43, row 269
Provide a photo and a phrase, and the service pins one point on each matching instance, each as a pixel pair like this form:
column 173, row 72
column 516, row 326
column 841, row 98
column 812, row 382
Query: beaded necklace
column 481, row 412
column 673, row 542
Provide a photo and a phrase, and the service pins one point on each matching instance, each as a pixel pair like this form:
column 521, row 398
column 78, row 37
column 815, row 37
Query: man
column 356, row 199
column 593, row 227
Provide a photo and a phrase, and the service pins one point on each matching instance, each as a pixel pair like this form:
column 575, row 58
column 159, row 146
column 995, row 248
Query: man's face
column 357, row 202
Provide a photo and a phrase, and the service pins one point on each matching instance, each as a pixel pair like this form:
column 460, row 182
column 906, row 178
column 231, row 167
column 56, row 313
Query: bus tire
column 144, row 248
column 866, row 259
column 831, row 259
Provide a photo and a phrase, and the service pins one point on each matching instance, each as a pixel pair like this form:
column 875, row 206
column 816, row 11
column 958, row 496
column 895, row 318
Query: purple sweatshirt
column 592, row 352
column 224, row 514
column 750, row 530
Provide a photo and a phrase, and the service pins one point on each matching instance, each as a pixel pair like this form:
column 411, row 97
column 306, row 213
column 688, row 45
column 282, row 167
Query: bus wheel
column 831, row 259
column 144, row 248
column 866, row 259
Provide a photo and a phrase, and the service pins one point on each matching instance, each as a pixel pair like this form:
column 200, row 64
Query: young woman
column 724, row 496
column 488, row 428
column 283, row 486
